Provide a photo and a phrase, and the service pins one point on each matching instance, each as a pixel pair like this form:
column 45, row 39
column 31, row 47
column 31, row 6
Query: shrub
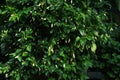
column 57, row 39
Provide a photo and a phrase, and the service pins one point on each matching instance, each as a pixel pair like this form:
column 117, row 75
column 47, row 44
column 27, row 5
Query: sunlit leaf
column 93, row 47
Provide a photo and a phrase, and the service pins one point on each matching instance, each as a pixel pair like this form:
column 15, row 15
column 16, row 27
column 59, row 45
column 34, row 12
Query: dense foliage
column 58, row 39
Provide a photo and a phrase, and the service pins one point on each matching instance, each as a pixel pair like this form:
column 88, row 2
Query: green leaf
column 64, row 76
column 87, row 63
column 18, row 51
column 96, row 33
column 83, row 16
column 25, row 63
column 0, row 71
column 19, row 58
column 24, row 54
column 14, row 17
column 93, row 47
column 82, row 41
column 18, row 77
column 0, row 11
column 82, row 32
column 89, row 37
column 28, row 48
column 77, row 38
column 49, row 1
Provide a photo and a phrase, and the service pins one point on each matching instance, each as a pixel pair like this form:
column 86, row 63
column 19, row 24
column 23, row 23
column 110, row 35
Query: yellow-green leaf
column 93, row 47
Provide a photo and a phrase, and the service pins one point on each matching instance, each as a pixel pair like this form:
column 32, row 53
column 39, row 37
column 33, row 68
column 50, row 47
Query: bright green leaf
column 24, row 54
column 28, row 48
